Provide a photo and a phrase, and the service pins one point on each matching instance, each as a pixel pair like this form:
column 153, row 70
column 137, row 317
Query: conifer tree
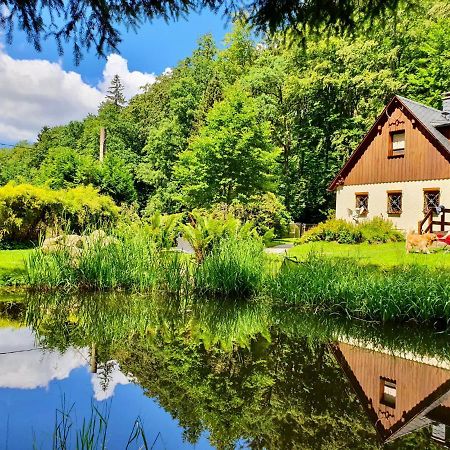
column 114, row 94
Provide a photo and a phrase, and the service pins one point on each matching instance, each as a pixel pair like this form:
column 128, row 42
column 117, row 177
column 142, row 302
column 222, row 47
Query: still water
column 147, row 373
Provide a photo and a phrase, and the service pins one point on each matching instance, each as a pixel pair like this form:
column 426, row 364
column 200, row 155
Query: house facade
column 401, row 169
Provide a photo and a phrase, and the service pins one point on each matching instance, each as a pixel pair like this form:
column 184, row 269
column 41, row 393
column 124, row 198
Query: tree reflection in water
column 248, row 373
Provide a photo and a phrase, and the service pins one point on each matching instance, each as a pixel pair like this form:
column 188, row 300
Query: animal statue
column 356, row 213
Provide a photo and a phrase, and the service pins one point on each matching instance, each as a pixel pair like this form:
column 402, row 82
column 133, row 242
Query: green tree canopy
column 232, row 157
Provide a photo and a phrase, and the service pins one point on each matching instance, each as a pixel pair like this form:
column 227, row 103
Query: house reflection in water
column 400, row 392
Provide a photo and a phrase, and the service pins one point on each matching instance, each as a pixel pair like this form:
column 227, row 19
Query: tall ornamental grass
column 235, row 267
column 341, row 286
column 124, row 260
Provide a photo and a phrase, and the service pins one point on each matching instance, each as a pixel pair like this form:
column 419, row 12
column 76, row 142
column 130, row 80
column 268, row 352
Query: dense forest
column 256, row 120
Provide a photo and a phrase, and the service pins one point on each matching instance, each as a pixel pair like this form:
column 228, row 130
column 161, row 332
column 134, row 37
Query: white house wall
column 412, row 200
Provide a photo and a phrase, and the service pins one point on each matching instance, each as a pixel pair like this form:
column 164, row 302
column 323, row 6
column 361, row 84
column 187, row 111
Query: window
column 394, row 203
column 388, row 392
column 362, row 201
column 397, row 145
column 431, row 199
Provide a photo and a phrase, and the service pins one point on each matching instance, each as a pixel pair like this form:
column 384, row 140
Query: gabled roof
column 424, row 413
column 430, row 119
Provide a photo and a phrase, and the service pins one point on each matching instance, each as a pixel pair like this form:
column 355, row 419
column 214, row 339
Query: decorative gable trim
column 394, row 122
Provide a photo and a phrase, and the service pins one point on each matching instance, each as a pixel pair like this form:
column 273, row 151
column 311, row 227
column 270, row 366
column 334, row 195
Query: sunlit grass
column 12, row 266
column 339, row 285
column 382, row 255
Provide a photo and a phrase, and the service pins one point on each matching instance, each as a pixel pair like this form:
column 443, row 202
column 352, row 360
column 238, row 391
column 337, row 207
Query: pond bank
column 318, row 282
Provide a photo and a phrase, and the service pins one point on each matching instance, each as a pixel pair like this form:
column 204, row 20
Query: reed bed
column 125, row 260
column 235, row 267
column 341, row 286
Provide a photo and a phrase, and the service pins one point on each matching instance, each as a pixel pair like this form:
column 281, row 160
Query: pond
column 136, row 372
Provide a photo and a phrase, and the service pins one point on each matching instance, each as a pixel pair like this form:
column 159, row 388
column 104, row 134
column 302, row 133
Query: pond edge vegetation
column 229, row 263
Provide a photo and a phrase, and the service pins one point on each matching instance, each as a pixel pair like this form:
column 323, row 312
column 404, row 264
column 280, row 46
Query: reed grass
column 330, row 285
column 235, row 267
column 126, row 260
column 93, row 432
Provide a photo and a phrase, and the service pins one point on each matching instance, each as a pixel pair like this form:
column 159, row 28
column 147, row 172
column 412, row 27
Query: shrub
column 333, row 230
column 27, row 211
column 376, row 230
column 266, row 211
column 233, row 268
column 379, row 230
column 205, row 231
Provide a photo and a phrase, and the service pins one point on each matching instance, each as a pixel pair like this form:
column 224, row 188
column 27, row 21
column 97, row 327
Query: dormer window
column 397, row 143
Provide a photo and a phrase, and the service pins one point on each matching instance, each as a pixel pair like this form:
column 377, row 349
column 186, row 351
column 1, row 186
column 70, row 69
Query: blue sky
column 45, row 89
column 154, row 47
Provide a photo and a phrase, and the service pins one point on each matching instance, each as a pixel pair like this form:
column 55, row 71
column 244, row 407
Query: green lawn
column 12, row 264
column 385, row 255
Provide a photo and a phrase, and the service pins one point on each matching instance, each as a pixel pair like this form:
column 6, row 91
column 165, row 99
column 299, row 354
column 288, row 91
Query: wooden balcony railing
column 429, row 225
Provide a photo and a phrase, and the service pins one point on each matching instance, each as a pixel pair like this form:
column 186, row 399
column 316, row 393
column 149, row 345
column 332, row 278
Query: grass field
column 12, row 265
column 383, row 255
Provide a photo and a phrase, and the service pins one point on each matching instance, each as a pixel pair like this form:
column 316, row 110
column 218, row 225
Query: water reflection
column 400, row 392
column 240, row 375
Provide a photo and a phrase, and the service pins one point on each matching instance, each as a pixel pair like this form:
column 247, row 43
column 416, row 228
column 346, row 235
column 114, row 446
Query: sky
column 44, row 88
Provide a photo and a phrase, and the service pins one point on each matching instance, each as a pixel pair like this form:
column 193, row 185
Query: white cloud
column 115, row 377
column 132, row 81
column 33, row 369
column 37, row 92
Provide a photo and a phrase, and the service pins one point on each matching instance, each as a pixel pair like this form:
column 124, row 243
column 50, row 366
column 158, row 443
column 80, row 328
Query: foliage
column 232, row 156
column 333, row 230
column 84, row 25
column 27, row 211
column 237, row 122
column 117, row 180
column 164, row 229
column 376, row 230
column 266, row 212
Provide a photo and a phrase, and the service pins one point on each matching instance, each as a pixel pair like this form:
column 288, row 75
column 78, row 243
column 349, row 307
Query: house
column 401, row 169
column 400, row 392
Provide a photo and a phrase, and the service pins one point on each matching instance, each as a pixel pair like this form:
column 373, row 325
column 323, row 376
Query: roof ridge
column 420, row 104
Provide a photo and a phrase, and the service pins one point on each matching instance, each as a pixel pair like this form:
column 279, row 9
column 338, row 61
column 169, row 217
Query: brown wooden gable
column 425, row 158
column 420, row 388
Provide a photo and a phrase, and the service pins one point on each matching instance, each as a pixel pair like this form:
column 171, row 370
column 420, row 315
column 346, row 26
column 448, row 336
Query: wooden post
column 93, row 359
column 102, row 143
column 443, row 220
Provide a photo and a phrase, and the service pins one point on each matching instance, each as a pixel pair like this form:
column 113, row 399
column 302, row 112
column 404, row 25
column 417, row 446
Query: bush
column 233, row 268
column 333, row 230
column 376, row 230
column 28, row 211
column 266, row 211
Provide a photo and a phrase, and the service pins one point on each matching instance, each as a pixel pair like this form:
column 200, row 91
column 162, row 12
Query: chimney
column 446, row 102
